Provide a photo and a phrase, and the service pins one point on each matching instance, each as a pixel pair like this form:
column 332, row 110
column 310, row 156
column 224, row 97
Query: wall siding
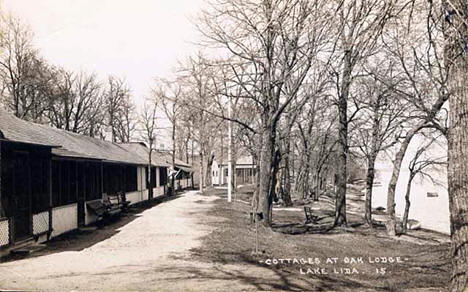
column 134, row 197
column 159, row 191
column 64, row 219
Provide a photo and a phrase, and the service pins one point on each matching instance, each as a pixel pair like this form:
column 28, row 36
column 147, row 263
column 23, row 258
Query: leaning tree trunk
column 391, row 218
column 456, row 57
column 404, row 223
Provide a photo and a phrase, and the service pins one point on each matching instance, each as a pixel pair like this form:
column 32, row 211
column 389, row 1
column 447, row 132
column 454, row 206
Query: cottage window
column 113, row 178
column 93, row 180
column 153, row 177
column 131, row 179
column 40, row 184
column 163, row 176
column 65, row 182
column 7, row 189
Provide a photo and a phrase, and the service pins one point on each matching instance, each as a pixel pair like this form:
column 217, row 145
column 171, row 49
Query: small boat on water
column 413, row 224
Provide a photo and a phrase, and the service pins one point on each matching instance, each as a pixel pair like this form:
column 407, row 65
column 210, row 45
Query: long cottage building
column 50, row 176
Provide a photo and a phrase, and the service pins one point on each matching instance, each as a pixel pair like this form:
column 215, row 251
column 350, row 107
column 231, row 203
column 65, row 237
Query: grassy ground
column 424, row 261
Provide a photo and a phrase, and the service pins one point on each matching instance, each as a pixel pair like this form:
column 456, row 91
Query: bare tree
column 26, row 77
column 276, row 40
column 420, row 165
column 379, row 123
column 120, row 110
column 415, row 41
column 168, row 95
column 198, row 96
column 77, row 105
column 359, row 25
column 147, row 121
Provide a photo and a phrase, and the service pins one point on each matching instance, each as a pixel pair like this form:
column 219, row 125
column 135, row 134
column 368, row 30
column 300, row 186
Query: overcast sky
column 135, row 39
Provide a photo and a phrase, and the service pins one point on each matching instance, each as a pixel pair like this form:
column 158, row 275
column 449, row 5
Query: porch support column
column 50, row 197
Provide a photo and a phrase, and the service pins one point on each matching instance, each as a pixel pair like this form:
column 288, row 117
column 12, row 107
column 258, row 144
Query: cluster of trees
column 317, row 87
column 32, row 89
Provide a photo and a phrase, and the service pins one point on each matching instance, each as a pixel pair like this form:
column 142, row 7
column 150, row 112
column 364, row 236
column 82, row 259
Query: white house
column 245, row 171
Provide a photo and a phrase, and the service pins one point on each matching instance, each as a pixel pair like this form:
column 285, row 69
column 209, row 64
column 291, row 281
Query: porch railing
column 4, row 232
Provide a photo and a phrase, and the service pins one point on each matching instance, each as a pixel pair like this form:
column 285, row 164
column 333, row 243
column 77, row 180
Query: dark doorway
column 22, row 196
column 81, row 193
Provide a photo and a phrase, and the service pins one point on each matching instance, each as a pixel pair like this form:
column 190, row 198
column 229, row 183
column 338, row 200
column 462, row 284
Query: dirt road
column 149, row 253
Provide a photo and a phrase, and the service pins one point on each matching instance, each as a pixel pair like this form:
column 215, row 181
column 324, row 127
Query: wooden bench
column 96, row 207
column 310, row 218
column 112, row 205
column 115, row 203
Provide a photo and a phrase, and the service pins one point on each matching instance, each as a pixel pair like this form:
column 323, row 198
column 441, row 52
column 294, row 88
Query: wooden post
column 50, row 199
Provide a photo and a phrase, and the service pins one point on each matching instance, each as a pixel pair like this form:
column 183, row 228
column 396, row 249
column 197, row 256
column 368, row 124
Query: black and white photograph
column 233, row 145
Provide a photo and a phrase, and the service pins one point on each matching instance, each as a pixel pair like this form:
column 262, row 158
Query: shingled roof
column 142, row 150
column 15, row 129
column 68, row 144
column 178, row 163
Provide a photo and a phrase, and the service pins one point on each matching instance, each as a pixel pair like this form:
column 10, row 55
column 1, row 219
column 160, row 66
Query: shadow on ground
column 233, row 240
column 79, row 239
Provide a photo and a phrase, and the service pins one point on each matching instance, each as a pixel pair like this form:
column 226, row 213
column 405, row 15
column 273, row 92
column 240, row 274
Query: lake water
column 432, row 209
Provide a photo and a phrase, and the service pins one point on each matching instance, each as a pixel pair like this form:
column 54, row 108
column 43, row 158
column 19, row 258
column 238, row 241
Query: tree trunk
column 306, row 177
column 200, row 180
column 340, row 203
column 374, row 151
column 391, row 219
column 208, row 172
column 266, row 172
column 233, row 171
column 286, row 174
column 369, row 185
column 404, row 223
column 456, row 35
column 286, row 191
column 256, row 194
